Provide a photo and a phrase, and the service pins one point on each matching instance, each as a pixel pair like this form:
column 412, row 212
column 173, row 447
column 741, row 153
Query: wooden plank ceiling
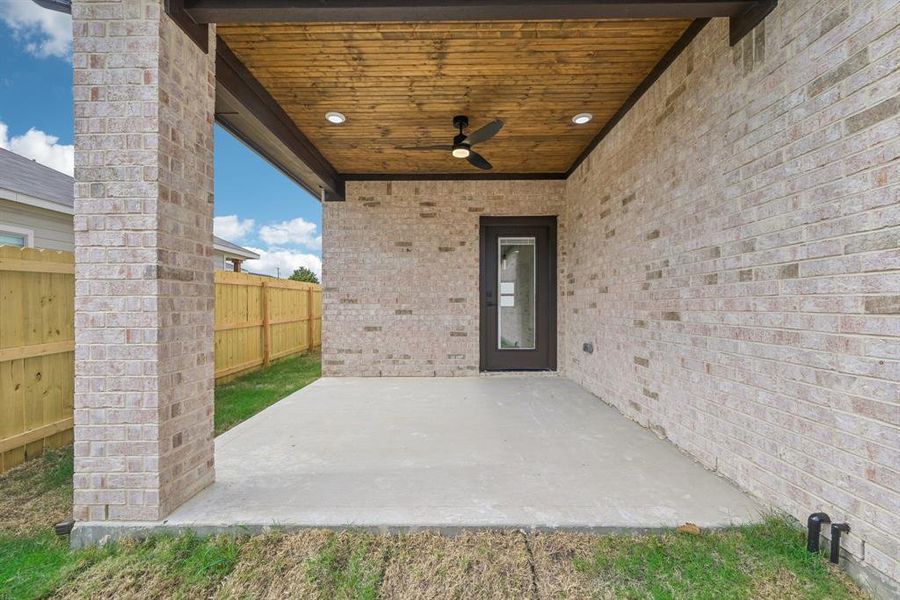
column 400, row 84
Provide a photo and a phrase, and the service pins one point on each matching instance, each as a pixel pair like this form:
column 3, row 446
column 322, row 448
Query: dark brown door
column 518, row 293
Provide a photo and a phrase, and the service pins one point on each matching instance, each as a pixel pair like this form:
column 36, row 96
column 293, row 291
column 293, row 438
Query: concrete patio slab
column 448, row 453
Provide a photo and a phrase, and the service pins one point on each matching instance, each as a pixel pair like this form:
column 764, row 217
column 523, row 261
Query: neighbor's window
column 16, row 236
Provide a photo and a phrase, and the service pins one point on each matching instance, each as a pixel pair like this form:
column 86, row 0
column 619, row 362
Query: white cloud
column 275, row 259
column 43, row 32
column 296, row 232
column 41, row 147
column 232, row 227
column 285, row 244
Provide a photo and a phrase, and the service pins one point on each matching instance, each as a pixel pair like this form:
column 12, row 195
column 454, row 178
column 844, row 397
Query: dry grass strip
column 315, row 564
column 474, row 564
column 37, row 494
column 555, row 556
column 159, row 568
column 272, row 565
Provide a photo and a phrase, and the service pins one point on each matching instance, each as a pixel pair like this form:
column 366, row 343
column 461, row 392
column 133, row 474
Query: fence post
column 267, row 333
column 309, row 318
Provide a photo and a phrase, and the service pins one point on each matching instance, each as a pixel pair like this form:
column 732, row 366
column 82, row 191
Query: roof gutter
column 231, row 252
column 20, row 198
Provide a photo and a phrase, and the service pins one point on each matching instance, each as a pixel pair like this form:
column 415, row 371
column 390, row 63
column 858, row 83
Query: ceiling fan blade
column 485, row 133
column 477, row 160
column 444, row 147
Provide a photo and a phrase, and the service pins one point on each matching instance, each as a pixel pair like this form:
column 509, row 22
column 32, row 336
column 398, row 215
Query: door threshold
column 519, row 373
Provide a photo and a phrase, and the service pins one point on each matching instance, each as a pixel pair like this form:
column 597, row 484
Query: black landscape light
column 814, row 530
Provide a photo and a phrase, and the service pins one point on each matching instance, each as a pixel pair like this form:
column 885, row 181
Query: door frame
column 547, row 308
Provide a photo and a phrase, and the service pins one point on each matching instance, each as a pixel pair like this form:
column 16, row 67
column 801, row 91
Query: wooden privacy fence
column 258, row 319
column 37, row 343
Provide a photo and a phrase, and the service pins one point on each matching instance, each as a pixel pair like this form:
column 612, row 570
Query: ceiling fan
column 462, row 143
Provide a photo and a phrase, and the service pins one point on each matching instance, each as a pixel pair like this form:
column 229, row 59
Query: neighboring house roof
column 23, row 180
column 28, row 182
column 231, row 249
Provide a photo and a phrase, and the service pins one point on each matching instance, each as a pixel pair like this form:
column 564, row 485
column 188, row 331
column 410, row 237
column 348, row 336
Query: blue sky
column 256, row 206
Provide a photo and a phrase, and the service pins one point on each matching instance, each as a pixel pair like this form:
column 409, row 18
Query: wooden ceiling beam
column 199, row 33
column 365, row 11
column 462, row 176
column 741, row 25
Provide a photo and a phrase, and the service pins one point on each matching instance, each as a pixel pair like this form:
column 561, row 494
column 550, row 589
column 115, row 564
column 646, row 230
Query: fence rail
column 257, row 320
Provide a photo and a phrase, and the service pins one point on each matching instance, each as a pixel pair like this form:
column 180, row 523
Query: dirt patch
column 470, row 565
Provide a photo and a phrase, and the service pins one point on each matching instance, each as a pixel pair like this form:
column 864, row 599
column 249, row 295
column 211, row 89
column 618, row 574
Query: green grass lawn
column 34, row 562
column 768, row 560
column 240, row 399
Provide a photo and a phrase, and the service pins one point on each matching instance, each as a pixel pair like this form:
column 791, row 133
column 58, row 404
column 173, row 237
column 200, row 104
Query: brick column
column 144, row 101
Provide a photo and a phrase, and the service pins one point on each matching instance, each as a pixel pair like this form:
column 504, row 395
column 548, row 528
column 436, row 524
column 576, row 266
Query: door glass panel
column 515, row 288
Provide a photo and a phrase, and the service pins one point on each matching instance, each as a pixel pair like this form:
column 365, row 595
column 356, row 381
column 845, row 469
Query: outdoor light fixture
column 461, row 151
column 335, row 117
column 582, row 118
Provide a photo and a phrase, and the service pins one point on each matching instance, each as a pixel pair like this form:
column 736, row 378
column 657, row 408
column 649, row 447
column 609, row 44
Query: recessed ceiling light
column 335, row 117
column 582, row 118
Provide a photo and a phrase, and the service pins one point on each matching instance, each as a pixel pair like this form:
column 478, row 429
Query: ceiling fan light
column 582, row 118
column 335, row 117
column 461, row 151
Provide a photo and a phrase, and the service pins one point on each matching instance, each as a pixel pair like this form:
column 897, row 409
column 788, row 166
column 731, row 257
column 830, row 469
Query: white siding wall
column 219, row 261
column 52, row 230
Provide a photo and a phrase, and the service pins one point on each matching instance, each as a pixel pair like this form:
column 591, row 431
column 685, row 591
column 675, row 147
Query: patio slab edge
column 91, row 533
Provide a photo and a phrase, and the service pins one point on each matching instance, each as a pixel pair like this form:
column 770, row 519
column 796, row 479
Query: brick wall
column 734, row 248
column 401, row 272
column 731, row 249
column 143, row 246
column 186, row 280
